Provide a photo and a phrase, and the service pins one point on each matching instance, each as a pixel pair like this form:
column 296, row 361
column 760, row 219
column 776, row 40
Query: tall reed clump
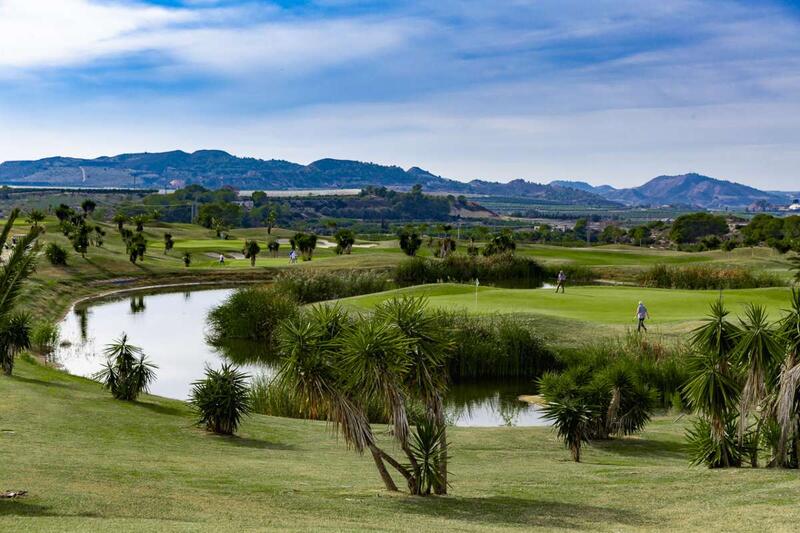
column 308, row 286
column 252, row 313
column 706, row 277
column 44, row 337
column 501, row 269
column 576, row 274
column 495, row 347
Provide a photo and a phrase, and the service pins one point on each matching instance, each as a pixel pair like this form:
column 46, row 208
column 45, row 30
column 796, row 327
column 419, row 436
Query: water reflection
column 170, row 328
column 491, row 404
column 137, row 304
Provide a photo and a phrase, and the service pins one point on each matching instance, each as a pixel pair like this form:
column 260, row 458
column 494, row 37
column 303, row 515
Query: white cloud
column 47, row 33
column 36, row 34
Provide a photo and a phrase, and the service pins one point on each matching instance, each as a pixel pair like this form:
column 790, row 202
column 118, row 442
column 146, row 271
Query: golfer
column 641, row 315
column 561, row 279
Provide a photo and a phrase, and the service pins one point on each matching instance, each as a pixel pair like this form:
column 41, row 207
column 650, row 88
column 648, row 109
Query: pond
column 170, row 327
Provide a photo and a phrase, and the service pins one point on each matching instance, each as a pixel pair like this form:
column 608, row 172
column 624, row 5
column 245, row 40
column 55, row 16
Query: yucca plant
column 429, row 447
column 787, row 401
column 428, row 352
column 14, row 271
column 709, row 446
column 758, row 352
column 127, row 373
column 713, row 388
column 338, row 367
column 572, row 421
column 221, row 399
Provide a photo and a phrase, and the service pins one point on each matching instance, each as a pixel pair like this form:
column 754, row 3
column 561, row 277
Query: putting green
column 611, row 305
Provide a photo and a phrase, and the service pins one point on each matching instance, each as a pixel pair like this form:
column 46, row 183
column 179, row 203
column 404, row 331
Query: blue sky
column 604, row 91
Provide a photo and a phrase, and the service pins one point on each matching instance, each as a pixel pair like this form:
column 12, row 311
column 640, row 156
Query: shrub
column 495, row 347
column 501, row 269
column 127, row 372
column 44, row 337
column 251, row 313
column 57, row 255
column 706, row 277
column 308, row 286
column 221, row 399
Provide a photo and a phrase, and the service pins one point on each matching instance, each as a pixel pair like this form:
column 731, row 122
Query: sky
column 604, row 91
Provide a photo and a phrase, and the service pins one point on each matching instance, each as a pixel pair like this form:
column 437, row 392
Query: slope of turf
column 91, row 463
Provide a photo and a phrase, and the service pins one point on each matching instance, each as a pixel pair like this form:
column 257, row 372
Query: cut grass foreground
column 610, row 307
column 90, row 463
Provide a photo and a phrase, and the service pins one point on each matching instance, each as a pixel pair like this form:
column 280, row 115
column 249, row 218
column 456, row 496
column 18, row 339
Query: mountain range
column 216, row 168
column 690, row 189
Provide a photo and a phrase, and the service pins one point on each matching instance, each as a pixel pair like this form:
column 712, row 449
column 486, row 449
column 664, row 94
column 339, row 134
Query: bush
column 501, row 269
column 57, row 255
column 308, row 286
column 44, row 337
column 495, row 347
column 706, row 277
column 127, row 372
column 221, row 399
column 251, row 313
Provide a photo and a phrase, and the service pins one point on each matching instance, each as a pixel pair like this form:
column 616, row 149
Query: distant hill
column 686, row 189
column 215, row 169
column 583, row 186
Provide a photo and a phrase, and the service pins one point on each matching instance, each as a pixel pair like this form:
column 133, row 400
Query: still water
column 170, row 327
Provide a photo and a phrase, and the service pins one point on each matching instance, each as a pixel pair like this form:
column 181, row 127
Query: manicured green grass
column 91, row 463
column 609, row 308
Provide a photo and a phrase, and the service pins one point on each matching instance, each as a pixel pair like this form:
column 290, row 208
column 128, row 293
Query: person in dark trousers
column 561, row 279
column 641, row 315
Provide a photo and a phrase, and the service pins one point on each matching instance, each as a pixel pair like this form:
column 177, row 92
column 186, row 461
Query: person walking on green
column 561, row 279
column 641, row 315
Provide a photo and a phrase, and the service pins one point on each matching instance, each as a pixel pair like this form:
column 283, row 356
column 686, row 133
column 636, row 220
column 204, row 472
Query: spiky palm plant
column 758, row 352
column 428, row 351
column 429, row 446
column 713, row 387
column 571, row 420
column 16, row 268
column 127, row 373
column 787, row 400
column 221, row 399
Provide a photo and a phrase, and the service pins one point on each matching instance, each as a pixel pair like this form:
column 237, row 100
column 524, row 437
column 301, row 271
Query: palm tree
column 335, row 366
column 15, row 336
column 572, row 421
column 758, row 352
column 127, row 372
column 168, row 242
column 428, row 352
column 251, row 250
column 140, row 221
column 120, row 220
column 34, row 217
column 345, row 239
column 787, row 406
column 713, row 387
column 13, row 273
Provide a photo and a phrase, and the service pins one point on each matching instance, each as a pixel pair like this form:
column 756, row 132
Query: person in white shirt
column 561, row 279
column 641, row 315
